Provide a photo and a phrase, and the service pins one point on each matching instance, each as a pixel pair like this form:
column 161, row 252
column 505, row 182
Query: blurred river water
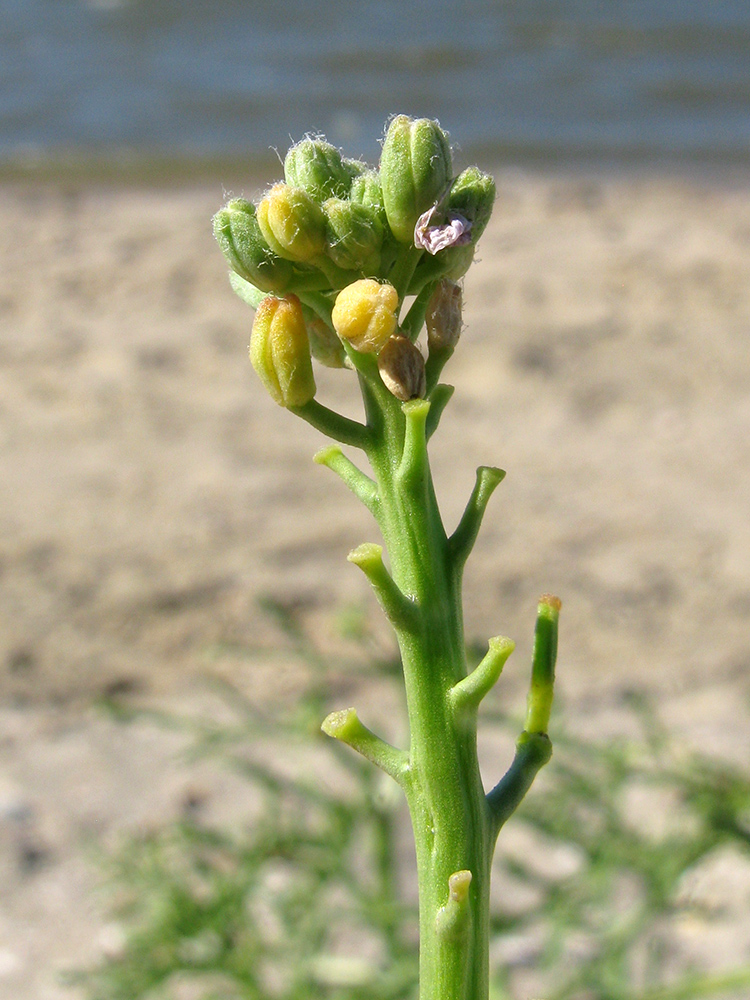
column 644, row 81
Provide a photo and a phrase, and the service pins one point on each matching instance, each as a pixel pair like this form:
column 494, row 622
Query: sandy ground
column 151, row 491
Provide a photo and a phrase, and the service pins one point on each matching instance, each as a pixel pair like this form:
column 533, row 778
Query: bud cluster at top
column 333, row 222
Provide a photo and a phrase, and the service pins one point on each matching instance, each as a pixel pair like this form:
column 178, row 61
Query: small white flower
column 456, row 232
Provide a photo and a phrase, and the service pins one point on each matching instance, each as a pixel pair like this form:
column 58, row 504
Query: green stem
column 463, row 538
column 401, row 273
column 361, row 485
column 533, row 750
column 439, row 398
column 399, row 610
column 333, row 424
column 437, row 360
column 346, row 727
column 319, row 304
column 468, row 693
column 413, row 322
column 455, row 824
column 450, row 817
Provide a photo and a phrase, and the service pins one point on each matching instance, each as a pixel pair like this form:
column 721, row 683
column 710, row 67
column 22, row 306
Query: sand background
column 151, row 492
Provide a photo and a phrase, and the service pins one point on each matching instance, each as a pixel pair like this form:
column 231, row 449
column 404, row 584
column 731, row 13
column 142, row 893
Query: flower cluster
column 338, row 245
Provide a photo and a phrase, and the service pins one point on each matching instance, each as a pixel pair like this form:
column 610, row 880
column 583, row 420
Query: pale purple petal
column 456, row 232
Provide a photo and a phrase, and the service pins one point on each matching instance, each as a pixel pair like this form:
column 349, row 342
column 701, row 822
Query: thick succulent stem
column 450, row 817
column 455, row 824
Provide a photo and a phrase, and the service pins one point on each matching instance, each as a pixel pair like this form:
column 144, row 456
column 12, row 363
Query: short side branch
column 439, row 399
column 468, row 693
column 346, row 727
column 453, row 923
column 541, row 689
column 462, row 540
column 437, row 360
column 454, row 918
column 364, row 488
column 399, row 609
column 533, row 750
column 413, row 465
column 333, row 424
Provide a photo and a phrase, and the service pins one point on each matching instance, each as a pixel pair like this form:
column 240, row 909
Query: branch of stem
column 332, row 424
column 401, row 612
column 413, row 466
column 437, row 360
column 541, row 689
column 346, row 727
column 468, row 693
column 439, row 398
column 364, row 488
column 533, row 750
column 413, row 322
column 462, row 540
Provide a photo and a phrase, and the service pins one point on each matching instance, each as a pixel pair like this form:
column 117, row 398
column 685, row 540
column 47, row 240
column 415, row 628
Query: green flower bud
column 355, row 168
column 325, row 345
column 472, row 195
column 238, row 234
column 317, row 167
column 280, row 351
column 402, row 368
column 293, row 225
column 368, row 191
column 415, row 170
column 353, row 235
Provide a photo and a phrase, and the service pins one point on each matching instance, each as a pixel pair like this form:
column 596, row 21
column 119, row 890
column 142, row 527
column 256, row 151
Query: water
column 637, row 80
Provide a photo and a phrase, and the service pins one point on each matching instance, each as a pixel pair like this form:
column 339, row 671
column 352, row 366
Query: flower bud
column 354, row 168
column 292, row 223
column 365, row 314
column 472, row 195
column 280, row 351
column 415, row 170
column 325, row 345
column 402, row 369
column 317, row 167
column 238, row 234
column 353, row 235
column 368, row 191
column 443, row 317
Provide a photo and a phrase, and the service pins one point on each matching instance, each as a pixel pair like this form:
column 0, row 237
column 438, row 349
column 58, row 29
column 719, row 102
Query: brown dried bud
column 443, row 318
column 401, row 368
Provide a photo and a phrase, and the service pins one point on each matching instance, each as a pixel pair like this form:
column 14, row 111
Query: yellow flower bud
column 280, row 351
column 365, row 314
column 292, row 223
